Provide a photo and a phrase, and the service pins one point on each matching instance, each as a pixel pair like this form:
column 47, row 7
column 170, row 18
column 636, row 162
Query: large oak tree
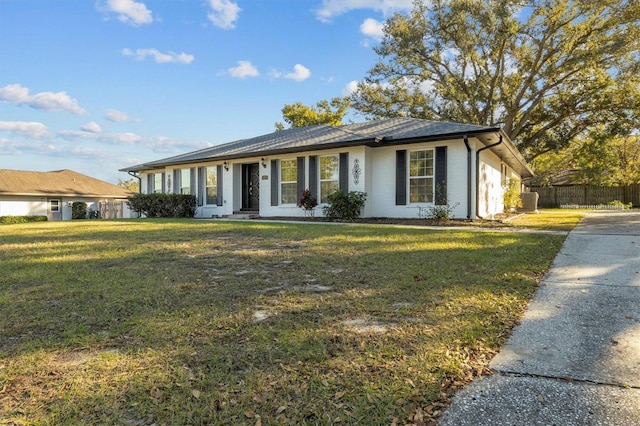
column 323, row 112
column 547, row 71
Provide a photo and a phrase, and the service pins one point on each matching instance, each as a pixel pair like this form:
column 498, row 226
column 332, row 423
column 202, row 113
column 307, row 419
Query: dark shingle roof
column 372, row 133
column 57, row 183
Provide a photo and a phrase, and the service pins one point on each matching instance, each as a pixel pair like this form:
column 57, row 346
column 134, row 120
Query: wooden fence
column 111, row 209
column 556, row 196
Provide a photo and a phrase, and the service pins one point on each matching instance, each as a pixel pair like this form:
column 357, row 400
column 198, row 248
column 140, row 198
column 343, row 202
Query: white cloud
column 372, row 28
column 350, row 88
column 426, row 87
column 118, row 116
column 331, row 8
column 130, row 12
column 14, row 147
column 223, row 13
column 125, row 138
column 157, row 144
column 49, row 101
column 30, row 129
column 300, row 73
column 162, row 144
column 243, row 70
column 159, row 57
column 92, row 127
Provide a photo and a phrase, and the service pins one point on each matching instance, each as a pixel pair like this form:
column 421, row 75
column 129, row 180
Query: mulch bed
column 498, row 222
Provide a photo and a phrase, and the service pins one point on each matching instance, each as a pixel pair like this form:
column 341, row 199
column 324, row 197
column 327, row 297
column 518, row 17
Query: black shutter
column 300, row 178
column 150, row 182
column 313, row 175
column 192, row 181
column 219, row 199
column 164, row 182
column 401, row 177
column 177, row 184
column 441, row 176
column 343, row 179
column 274, row 182
column 202, row 185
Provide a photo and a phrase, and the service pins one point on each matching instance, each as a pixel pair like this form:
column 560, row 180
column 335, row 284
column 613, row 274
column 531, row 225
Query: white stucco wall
column 384, row 180
column 22, row 206
column 493, row 175
column 292, row 210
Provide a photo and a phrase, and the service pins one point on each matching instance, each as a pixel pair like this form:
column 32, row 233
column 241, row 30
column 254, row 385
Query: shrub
column 163, row 205
column 21, row 219
column 344, row 206
column 440, row 213
column 618, row 203
column 307, row 202
column 78, row 210
column 512, row 199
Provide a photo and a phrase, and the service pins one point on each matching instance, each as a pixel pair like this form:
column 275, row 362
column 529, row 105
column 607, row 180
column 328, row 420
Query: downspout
column 466, row 144
column 133, row 174
column 478, row 173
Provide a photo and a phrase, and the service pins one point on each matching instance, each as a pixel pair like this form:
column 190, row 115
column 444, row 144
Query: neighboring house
column 51, row 194
column 402, row 164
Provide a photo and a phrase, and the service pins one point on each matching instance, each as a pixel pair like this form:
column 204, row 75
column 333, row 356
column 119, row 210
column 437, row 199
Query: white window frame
column 334, row 178
column 157, row 183
column 283, row 182
column 416, row 177
column 57, row 203
column 211, row 171
column 185, row 173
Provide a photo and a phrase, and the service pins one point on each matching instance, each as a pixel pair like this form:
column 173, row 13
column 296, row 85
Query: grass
column 187, row 322
column 549, row 219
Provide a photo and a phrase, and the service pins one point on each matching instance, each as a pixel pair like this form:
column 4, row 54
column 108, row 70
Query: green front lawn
column 192, row 322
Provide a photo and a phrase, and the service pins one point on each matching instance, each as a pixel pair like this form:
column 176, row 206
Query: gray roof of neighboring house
column 392, row 131
column 57, row 184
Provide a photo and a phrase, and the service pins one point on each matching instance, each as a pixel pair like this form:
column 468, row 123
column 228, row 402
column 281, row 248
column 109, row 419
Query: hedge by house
column 21, row 219
column 163, row 205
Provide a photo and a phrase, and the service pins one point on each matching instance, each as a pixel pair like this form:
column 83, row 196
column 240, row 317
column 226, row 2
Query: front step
column 241, row 215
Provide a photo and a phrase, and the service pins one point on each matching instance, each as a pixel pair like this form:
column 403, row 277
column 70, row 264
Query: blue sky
column 95, row 86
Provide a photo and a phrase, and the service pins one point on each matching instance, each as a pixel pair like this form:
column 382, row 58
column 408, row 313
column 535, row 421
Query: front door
column 55, row 210
column 251, row 186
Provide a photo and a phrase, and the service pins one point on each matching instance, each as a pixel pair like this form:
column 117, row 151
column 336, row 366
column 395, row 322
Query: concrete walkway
column 575, row 357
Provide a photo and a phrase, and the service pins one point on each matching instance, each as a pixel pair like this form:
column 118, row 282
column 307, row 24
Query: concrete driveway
column 575, row 357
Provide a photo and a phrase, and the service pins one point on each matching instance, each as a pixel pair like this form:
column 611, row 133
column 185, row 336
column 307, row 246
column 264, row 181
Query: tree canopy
column 131, row 184
column 323, row 112
column 547, row 71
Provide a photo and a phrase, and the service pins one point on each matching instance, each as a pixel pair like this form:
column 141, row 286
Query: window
column 185, row 181
column 329, row 174
column 212, row 186
column 421, row 176
column 289, row 181
column 157, row 183
column 54, row 205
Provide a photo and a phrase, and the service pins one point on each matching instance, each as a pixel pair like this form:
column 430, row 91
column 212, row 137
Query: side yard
column 184, row 322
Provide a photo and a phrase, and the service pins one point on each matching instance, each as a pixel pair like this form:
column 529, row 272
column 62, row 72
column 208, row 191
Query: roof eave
column 514, row 159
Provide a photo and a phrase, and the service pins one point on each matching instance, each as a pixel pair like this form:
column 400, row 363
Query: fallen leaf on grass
column 195, row 393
